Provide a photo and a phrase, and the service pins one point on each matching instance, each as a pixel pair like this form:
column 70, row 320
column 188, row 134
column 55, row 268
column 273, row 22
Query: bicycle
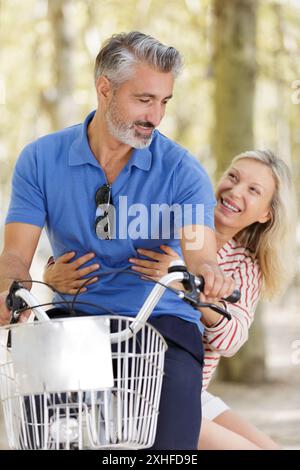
column 105, row 396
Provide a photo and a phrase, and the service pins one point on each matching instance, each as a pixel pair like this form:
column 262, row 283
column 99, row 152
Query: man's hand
column 217, row 285
column 5, row 314
column 202, row 259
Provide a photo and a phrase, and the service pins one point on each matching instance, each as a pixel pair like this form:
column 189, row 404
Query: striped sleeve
column 228, row 336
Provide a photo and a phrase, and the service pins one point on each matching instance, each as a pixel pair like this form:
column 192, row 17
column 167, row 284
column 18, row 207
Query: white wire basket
column 122, row 416
column 82, row 383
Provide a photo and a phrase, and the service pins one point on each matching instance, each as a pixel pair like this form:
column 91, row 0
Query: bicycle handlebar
column 195, row 284
column 20, row 297
column 232, row 298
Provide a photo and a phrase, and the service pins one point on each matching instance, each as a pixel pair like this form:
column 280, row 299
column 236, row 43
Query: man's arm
column 20, row 242
column 199, row 249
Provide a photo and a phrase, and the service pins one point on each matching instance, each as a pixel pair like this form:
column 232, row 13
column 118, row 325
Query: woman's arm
column 227, row 337
column 221, row 335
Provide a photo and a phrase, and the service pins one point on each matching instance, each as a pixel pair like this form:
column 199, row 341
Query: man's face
column 138, row 105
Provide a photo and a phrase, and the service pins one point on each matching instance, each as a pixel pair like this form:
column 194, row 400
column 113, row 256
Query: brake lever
column 194, row 286
column 216, row 308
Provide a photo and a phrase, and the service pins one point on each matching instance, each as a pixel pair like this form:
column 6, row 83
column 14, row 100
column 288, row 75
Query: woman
column 253, row 220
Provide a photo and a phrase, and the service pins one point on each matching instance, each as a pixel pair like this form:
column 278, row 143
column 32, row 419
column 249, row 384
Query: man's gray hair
column 122, row 52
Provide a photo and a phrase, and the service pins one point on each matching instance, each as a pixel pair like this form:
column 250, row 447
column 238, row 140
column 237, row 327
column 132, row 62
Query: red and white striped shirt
column 227, row 337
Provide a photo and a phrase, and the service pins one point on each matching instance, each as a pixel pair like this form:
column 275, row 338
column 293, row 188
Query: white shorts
column 212, row 406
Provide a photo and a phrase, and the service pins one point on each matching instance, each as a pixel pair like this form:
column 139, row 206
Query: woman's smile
column 228, row 206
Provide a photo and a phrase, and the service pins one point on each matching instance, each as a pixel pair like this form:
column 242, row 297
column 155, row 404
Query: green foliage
column 48, row 50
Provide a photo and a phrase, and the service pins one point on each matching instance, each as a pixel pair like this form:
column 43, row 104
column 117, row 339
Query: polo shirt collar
column 81, row 154
column 141, row 158
column 80, row 151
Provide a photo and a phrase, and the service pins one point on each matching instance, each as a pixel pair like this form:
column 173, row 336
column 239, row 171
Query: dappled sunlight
column 239, row 89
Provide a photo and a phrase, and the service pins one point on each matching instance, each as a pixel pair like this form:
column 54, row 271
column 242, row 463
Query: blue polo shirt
column 54, row 185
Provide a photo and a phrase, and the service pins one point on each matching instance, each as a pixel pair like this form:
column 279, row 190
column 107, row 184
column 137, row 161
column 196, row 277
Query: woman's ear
column 266, row 217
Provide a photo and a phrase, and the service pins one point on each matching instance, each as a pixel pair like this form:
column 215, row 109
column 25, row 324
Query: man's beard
column 126, row 133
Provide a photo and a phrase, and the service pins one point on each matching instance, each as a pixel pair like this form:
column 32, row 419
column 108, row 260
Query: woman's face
column 244, row 195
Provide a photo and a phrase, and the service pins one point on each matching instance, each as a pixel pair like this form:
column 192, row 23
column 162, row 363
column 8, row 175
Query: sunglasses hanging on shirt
column 103, row 222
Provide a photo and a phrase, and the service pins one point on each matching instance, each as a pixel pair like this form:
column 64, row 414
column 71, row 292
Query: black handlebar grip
column 234, row 297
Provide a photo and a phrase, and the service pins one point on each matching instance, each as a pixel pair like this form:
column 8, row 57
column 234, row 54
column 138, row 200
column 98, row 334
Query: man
column 69, row 181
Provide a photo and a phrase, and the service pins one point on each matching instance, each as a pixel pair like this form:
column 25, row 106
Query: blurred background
column 240, row 89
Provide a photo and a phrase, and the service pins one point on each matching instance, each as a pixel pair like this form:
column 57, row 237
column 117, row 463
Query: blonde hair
column 272, row 242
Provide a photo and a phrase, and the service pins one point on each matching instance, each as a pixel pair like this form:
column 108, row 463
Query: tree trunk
column 235, row 72
column 58, row 101
column 234, row 65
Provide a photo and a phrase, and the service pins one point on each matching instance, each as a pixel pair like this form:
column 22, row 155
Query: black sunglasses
column 103, row 223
